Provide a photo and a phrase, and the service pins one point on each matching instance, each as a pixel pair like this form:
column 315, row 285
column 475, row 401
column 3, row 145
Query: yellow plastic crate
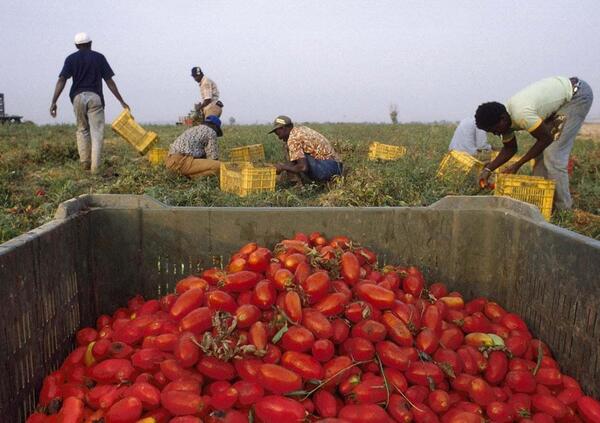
column 157, row 156
column 531, row 189
column 247, row 153
column 379, row 151
column 243, row 178
column 133, row 133
column 459, row 166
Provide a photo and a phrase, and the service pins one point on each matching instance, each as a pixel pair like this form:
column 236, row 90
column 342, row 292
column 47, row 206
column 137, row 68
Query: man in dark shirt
column 87, row 68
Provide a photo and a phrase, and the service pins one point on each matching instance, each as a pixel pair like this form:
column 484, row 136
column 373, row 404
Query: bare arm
column 60, row 86
column 509, row 149
column 543, row 138
column 297, row 166
column 112, row 86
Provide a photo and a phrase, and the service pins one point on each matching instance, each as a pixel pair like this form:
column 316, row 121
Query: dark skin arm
column 543, row 136
column 509, row 149
column 113, row 89
column 60, row 86
column 297, row 166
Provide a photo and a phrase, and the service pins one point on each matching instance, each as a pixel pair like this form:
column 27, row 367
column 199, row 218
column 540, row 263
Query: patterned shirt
column 198, row 141
column 208, row 89
column 304, row 140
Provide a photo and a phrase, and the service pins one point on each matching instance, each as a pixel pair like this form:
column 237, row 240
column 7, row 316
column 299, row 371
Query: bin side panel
column 116, row 257
column 44, row 288
column 175, row 244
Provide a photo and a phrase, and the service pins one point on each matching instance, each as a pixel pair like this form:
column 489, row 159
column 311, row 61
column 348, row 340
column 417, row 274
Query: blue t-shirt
column 88, row 68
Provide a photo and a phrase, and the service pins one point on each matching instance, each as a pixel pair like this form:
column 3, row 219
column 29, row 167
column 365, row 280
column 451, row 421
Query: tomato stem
column 385, row 382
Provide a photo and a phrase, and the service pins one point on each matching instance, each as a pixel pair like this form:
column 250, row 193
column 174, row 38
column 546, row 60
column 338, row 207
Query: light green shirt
column 532, row 105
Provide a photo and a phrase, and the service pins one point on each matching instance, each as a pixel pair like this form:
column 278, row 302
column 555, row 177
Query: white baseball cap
column 82, row 38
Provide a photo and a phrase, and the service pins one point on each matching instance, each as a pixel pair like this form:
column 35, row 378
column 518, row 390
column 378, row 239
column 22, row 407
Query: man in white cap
column 211, row 105
column 87, row 68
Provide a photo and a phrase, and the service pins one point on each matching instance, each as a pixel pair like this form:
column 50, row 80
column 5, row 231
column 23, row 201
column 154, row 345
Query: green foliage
column 39, row 169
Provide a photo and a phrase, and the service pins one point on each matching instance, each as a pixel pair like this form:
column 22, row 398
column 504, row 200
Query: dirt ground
column 590, row 130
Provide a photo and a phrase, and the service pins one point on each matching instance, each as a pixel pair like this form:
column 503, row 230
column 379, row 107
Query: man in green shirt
column 552, row 110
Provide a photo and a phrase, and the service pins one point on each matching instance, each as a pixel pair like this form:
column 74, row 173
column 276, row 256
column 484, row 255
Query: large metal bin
column 100, row 250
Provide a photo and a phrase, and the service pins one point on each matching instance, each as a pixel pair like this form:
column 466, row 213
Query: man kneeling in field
column 195, row 152
column 310, row 154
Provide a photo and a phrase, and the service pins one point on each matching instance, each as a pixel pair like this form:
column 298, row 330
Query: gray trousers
column 552, row 163
column 89, row 113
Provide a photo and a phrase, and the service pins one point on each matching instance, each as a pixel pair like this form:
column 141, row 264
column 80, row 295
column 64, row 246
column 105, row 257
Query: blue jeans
column 322, row 170
column 553, row 164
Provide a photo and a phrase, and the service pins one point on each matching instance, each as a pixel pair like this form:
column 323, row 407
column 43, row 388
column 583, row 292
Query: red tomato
column 360, row 349
column 548, row 404
column 325, row 404
column 292, row 261
column 500, row 412
column 240, row 281
column 278, row 379
column 257, row 335
column 548, row 376
column 494, row 311
column 350, row 268
column 113, row 370
column 424, row 373
column 247, row 315
column 297, row 338
column 186, row 351
column 394, row 356
column 248, row 392
column 215, row 369
column 364, row 413
column 332, row 304
column 589, row 409
column 276, row 408
column 292, row 305
column 71, row 411
column 197, row 321
column 323, row 350
column 218, row 300
column 127, row 410
column 375, row 295
column 397, row 330
column 368, row 391
column 148, row 395
column 452, row 338
column 259, row 259
column 147, row 359
column 341, row 331
column 188, row 283
column 316, row 286
column 497, row 367
column 427, row 341
column 317, row 323
column 370, row 329
column 438, row 401
column 85, row 336
column 569, row 396
column 264, row 295
column 182, row 403
column 521, row 381
column 186, row 302
column 303, row 364
column 224, row 399
column 512, row 322
column 480, row 392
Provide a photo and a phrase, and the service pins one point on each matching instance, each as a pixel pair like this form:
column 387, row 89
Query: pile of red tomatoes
column 313, row 330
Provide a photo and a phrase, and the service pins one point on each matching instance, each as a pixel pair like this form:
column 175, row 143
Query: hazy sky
column 327, row 60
